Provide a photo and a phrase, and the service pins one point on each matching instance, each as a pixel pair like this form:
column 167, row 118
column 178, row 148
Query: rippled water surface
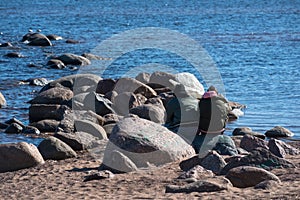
column 255, row 45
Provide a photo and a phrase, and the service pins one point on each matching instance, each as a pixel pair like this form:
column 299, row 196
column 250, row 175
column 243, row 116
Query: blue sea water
column 254, row 44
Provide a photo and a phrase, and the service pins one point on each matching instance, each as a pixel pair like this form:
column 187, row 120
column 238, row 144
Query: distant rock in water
column 93, row 57
column 56, row 64
column 36, row 81
column 279, row 131
column 6, row 44
column 72, row 59
column 70, row 41
column 2, row 101
column 13, row 128
column 36, row 39
column 14, row 55
column 54, row 37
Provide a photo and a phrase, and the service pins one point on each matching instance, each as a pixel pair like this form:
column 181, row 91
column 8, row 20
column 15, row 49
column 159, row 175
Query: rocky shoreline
column 116, row 126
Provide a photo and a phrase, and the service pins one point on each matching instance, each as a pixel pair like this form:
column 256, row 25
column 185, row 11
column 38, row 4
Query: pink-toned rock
column 145, row 142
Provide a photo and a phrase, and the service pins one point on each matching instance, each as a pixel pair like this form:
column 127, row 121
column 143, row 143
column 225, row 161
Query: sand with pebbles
column 65, row 180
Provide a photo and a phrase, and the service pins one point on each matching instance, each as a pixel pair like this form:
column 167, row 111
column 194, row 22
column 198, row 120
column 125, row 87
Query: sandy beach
column 65, row 180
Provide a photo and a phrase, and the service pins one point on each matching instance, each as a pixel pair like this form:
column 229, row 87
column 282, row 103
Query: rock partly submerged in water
column 2, row 101
column 73, row 59
column 36, row 39
column 279, row 131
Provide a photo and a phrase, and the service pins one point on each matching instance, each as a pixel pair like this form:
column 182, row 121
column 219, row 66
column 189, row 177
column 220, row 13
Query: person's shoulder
column 221, row 98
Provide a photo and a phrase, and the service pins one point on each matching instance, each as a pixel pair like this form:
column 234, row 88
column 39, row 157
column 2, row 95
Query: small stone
column 70, row 41
column 266, row 185
column 197, row 173
column 213, row 161
column 13, row 128
column 99, row 175
column 14, row 55
column 14, row 120
column 248, row 176
column 207, row 185
column 31, row 130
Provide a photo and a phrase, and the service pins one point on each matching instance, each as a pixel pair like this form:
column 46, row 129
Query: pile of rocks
column 121, row 122
column 82, row 111
column 250, row 167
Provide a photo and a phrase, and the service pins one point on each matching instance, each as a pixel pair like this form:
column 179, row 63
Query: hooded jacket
column 214, row 111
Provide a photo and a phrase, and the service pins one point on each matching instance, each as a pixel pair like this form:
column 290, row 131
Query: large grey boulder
column 192, row 84
column 38, row 112
column 2, row 101
column 15, row 156
column 279, row 131
column 150, row 112
column 247, row 176
column 77, row 141
column 54, row 149
column 106, row 85
column 91, row 128
column 143, row 77
column 119, row 163
column 258, row 157
column 162, row 78
column 73, row 59
column 67, row 124
column 94, row 102
column 46, row 125
column 145, row 142
column 56, row 95
column 135, row 86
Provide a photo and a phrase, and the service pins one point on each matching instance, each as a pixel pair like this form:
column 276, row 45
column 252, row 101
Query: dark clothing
column 213, row 114
column 183, row 110
column 213, row 117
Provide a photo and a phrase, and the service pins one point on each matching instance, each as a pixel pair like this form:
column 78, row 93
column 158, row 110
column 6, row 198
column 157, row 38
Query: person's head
column 212, row 88
column 209, row 94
